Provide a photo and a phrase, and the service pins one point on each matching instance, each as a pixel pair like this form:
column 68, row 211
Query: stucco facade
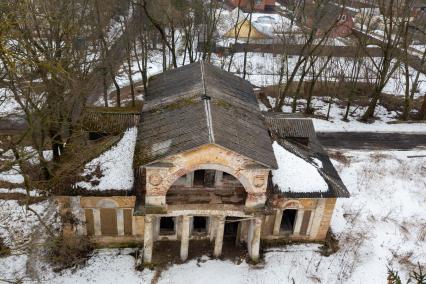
column 203, row 165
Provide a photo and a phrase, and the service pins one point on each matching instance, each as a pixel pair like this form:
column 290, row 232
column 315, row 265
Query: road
column 372, row 140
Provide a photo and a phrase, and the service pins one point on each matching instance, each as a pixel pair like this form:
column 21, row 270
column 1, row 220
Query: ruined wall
column 106, row 220
column 312, row 220
column 109, row 220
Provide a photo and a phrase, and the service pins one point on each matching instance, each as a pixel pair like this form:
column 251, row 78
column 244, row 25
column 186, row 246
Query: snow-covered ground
column 383, row 223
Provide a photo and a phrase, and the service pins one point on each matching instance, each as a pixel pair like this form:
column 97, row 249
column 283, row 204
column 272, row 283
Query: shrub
column 71, row 251
column 4, row 249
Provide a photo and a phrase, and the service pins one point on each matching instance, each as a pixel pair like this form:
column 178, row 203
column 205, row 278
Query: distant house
column 330, row 19
column 205, row 164
column 256, row 5
column 262, row 29
column 245, row 29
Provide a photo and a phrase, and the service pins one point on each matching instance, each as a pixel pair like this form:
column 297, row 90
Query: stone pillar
column 277, row 223
column 184, row 238
column 97, row 221
column 218, row 178
column 189, row 182
column 238, row 238
column 298, row 223
column 218, row 242
column 148, row 240
column 120, row 221
column 78, row 212
column 254, row 238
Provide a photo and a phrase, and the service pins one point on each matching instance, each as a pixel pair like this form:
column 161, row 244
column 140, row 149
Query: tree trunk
column 422, row 112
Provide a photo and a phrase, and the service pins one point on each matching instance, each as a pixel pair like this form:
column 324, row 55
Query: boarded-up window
column 108, row 221
column 90, row 227
column 305, row 222
column 127, row 213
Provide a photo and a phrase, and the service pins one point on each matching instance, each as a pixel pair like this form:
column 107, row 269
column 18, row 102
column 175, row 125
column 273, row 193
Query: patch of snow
column 295, row 174
column 106, row 266
column 19, row 190
column 13, row 175
column 116, row 165
column 17, row 223
column 13, row 268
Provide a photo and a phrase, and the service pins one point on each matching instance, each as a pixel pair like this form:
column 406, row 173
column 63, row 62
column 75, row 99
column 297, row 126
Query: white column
column 218, row 178
column 277, row 223
column 97, row 222
column 148, row 240
column 184, row 238
column 189, row 179
column 218, row 242
column 79, row 214
column 212, row 228
column 120, row 221
column 254, row 240
column 298, row 222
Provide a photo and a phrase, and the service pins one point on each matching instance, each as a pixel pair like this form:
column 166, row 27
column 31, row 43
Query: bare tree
column 310, row 38
column 394, row 15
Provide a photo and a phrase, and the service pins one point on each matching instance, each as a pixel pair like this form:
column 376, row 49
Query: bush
column 417, row 276
column 331, row 244
column 68, row 252
column 4, row 250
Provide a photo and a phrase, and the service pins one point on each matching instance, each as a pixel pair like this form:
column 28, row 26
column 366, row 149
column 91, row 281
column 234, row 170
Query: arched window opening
column 206, row 186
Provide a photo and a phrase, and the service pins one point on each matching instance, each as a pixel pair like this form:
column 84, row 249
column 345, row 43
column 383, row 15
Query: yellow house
column 246, row 29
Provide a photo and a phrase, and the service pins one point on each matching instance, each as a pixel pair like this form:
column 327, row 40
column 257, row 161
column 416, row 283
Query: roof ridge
column 207, row 109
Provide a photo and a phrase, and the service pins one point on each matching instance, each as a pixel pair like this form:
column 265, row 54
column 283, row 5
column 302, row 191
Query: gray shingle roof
column 283, row 128
column 201, row 104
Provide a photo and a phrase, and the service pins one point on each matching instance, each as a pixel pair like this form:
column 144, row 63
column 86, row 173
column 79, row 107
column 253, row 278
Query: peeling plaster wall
column 161, row 176
column 322, row 210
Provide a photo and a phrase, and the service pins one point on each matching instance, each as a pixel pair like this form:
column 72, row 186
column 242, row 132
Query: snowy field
column 382, row 224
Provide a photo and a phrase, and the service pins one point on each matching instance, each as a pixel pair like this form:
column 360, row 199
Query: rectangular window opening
column 167, row 226
column 288, row 221
column 199, row 224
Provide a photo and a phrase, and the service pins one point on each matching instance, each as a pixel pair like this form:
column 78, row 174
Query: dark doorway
column 287, row 221
column 231, row 227
column 204, row 178
column 199, row 177
column 199, row 225
column 167, row 226
column 209, row 177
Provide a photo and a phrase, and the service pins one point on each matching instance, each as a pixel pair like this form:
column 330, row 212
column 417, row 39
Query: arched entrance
column 210, row 185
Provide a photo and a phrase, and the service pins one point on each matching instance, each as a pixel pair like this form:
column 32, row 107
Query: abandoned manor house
column 203, row 162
